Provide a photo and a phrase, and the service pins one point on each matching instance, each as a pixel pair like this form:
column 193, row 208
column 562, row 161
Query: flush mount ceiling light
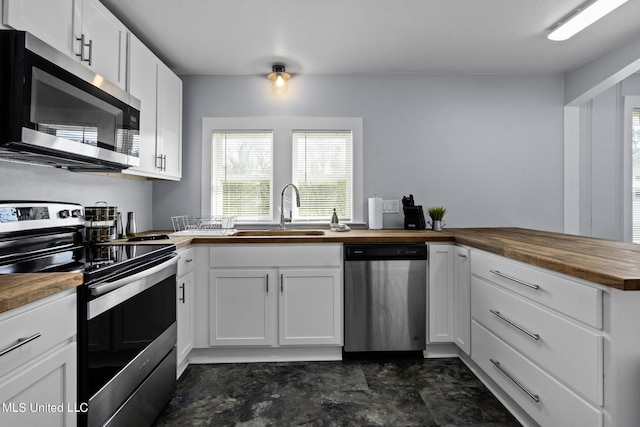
column 582, row 17
column 279, row 78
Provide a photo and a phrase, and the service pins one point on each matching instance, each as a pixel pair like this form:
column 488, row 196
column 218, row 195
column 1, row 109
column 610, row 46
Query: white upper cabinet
column 82, row 29
column 51, row 21
column 160, row 94
column 105, row 41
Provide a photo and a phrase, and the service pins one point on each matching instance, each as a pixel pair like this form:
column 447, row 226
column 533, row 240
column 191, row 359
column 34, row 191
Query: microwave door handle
column 102, row 288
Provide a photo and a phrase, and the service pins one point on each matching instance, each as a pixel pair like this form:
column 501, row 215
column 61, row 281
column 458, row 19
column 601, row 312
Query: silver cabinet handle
column 82, row 39
column 182, row 299
column 515, row 325
column 513, row 279
column 534, row 397
column 281, row 284
column 90, row 45
column 267, row 278
column 20, row 343
column 462, row 255
column 163, row 162
column 188, row 260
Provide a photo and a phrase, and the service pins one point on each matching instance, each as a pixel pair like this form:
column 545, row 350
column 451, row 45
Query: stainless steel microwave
column 54, row 111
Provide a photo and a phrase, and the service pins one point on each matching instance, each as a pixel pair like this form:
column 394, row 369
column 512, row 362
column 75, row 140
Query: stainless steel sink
column 275, row 233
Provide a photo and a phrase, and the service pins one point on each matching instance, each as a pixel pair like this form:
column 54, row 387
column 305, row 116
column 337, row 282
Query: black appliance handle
column 110, row 294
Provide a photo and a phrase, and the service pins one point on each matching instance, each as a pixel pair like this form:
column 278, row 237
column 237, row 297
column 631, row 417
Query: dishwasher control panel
column 385, row 251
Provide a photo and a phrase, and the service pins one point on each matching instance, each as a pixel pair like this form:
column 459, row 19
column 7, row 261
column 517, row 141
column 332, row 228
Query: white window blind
column 242, row 178
column 635, row 200
column 322, row 169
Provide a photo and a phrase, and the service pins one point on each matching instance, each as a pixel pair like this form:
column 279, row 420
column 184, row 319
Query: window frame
column 283, row 128
column 631, row 103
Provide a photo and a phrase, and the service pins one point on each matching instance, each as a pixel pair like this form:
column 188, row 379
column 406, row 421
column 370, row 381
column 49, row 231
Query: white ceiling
column 369, row 36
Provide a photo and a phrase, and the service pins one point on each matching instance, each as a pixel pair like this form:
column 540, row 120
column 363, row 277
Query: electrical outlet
column 391, row 206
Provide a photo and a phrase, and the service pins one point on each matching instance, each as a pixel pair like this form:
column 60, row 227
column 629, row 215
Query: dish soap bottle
column 334, row 217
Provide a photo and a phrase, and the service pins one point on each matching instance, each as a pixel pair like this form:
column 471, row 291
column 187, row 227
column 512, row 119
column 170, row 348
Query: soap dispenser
column 334, row 217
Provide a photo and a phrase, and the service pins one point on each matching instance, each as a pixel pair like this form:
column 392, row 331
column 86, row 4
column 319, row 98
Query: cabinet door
column 242, row 307
column 169, row 143
column 184, row 314
column 52, row 22
column 108, row 42
column 143, row 69
column 310, row 308
column 49, row 382
column 462, row 299
column 440, row 293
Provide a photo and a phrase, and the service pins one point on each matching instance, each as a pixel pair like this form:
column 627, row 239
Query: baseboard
column 255, row 355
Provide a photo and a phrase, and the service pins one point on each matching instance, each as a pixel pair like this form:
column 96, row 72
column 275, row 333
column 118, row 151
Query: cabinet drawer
column 556, row 405
column 569, row 351
column 571, row 298
column 185, row 263
column 46, row 323
column 281, row 255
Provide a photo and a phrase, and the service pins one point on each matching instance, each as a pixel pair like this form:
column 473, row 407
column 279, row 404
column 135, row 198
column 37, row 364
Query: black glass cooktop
column 102, row 261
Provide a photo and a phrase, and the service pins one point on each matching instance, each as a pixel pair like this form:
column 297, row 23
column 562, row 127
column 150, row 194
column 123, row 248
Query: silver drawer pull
column 515, row 325
column 513, row 279
column 534, row 397
column 20, row 343
column 462, row 255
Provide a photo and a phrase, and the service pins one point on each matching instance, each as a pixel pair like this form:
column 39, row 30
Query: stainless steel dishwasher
column 385, row 297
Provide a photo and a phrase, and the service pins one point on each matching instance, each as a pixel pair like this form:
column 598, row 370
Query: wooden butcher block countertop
column 606, row 262
column 19, row 289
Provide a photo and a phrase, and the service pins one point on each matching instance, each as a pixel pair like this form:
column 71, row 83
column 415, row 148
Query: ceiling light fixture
column 582, row 17
column 279, row 78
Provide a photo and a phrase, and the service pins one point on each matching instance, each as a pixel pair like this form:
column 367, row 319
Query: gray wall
column 488, row 147
column 28, row 182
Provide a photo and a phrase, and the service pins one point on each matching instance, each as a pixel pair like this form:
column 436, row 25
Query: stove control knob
column 76, row 213
column 64, row 213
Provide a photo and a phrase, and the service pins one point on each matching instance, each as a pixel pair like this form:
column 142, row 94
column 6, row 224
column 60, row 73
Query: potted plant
column 436, row 213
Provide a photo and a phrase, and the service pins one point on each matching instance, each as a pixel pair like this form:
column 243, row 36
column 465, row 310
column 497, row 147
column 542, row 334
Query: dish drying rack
column 214, row 225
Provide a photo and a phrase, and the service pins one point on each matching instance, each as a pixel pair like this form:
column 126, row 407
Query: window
column 322, row 171
column 241, row 165
column 248, row 161
column 635, row 154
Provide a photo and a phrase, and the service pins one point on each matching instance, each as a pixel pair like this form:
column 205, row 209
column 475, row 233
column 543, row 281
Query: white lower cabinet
column 543, row 397
column 281, row 295
column 242, row 307
column 38, row 363
column 184, row 307
column 310, row 307
column 539, row 337
column 249, row 306
column 462, row 298
column 440, row 293
column 449, row 308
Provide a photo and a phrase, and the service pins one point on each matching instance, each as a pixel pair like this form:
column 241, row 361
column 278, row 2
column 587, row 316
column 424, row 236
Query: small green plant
column 437, row 212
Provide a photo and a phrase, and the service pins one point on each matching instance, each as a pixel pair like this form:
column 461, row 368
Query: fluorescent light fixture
column 582, row 18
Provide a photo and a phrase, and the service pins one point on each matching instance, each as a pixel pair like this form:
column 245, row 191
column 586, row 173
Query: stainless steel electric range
column 126, row 308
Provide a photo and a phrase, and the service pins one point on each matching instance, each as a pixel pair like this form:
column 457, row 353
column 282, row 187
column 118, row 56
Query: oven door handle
column 102, row 288
column 113, row 293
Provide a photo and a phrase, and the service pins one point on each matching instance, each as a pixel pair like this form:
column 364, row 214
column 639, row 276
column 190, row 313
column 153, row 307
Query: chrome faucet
column 283, row 219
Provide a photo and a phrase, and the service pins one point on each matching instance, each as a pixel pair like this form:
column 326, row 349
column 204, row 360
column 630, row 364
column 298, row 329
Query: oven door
column 127, row 345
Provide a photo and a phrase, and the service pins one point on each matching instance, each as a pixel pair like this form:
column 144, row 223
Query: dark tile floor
column 369, row 392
